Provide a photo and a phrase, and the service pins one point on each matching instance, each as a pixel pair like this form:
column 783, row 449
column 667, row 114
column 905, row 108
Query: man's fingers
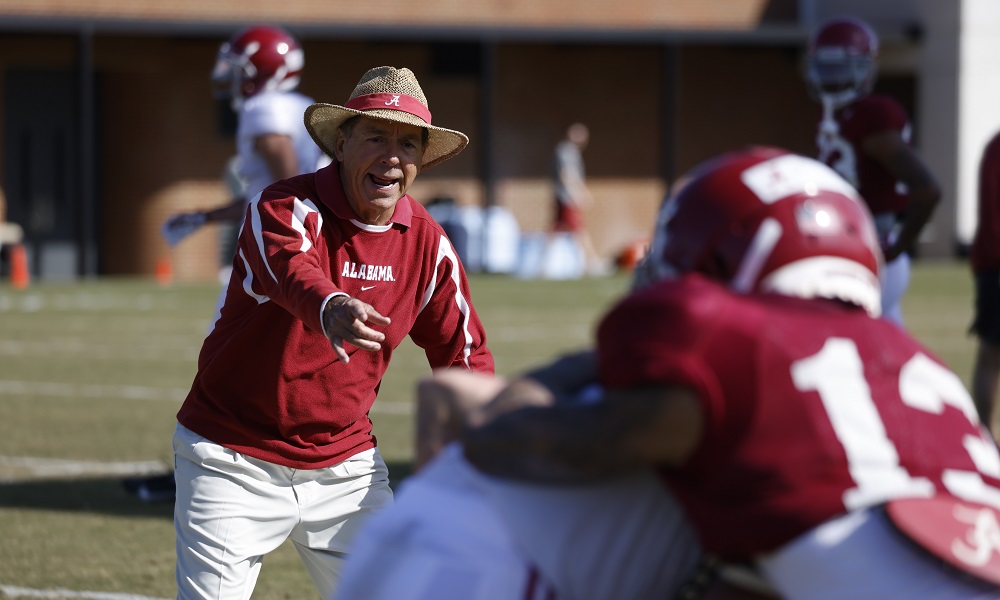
column 338, row 348
column 377, row 319
column 364, row 332
column 366, row 344
column 370, row 341
column 350, row 324
column 362, row 313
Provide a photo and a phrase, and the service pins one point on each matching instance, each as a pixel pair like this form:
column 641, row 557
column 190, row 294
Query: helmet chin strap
column 828, row 125
column 835, row 100
column 236, row 94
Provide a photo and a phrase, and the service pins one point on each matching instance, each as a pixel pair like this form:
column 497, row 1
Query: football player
column 798, row 432
column 258, row 71
column 866, row 138
column 984, row 261
column 792, row 430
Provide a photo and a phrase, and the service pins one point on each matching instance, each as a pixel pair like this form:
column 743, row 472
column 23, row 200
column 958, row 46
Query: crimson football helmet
column 841, row 63
column 261, row 58
column 768, row 220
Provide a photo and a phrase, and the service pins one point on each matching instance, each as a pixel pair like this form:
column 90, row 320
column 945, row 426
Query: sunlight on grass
column 96, row 372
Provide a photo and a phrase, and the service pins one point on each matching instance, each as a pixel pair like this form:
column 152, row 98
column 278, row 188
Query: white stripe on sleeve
column 445, row 251
column 248, row 281
column 258, row 233
column 300, row 211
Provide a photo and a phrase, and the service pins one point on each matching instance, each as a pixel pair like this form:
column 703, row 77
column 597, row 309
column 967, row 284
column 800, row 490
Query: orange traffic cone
column 19, row 276
column 164, row 271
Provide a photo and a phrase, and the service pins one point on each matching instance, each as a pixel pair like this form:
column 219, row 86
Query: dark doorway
column 42, row 166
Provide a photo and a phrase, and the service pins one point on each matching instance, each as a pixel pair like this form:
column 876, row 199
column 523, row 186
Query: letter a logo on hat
column 385, row 94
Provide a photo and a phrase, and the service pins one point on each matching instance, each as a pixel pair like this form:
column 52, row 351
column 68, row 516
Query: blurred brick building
column 108, row 125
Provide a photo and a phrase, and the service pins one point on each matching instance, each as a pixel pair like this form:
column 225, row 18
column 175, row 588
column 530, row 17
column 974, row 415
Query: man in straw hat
column 334, row 269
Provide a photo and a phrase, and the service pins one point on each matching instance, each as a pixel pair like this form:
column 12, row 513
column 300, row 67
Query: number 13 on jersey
column 836, row 373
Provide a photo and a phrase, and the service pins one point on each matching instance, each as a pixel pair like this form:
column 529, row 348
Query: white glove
column 178, row 227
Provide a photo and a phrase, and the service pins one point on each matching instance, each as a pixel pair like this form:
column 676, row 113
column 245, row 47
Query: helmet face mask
column 225, row 83
column 766, row 220
column 842, row 62
column 833, row 72
column 258, row 59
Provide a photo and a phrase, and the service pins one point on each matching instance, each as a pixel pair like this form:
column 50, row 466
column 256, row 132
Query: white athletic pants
column 440, row 540
column 231, row 510
column 895, row 280
column 861, row 556
column 455, row 534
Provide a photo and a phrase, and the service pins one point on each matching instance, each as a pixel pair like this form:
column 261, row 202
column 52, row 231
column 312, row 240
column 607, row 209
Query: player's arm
column 454, row 398
column 559, row 382
column 278, row 153
column 905, row 164
column 568, row 443
column 445, row 399
column 181, row 225
column 229, row 212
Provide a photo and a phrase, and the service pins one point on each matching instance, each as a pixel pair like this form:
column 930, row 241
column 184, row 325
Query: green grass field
column 91, row 375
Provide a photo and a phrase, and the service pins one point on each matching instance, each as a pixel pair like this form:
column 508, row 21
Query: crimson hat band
column 400, row 102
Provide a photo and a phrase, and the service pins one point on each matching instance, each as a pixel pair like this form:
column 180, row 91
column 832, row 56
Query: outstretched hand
column 347, row 319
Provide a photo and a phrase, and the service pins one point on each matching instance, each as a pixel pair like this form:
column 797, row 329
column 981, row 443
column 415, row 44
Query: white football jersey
column 274, row 112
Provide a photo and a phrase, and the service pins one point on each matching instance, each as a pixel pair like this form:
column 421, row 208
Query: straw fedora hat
column 387, row 94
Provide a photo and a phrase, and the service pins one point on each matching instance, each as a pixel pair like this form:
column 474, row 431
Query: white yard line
column 52, row 468
column 167, row 349
column 11, row 591
column 85, row 301
column 89, row 390
column 137, row 392
column 388, row 407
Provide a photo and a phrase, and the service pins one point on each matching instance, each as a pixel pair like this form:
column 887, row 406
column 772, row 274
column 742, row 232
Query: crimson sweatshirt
column 268, row 383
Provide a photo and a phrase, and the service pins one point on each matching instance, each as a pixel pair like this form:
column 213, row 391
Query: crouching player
column 791, row 430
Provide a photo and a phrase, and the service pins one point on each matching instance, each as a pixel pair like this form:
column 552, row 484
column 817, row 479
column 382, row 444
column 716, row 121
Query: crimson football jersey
column 269, row 384
column 985, row 254
column 811, row 409
column 841, row 149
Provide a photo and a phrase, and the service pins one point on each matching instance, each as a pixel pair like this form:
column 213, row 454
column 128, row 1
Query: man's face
column 379, row 160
